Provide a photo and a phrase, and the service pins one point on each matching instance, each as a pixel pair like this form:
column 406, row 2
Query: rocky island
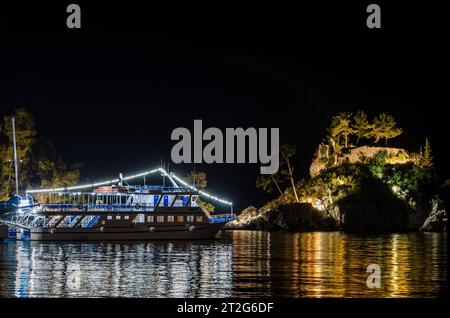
column 354, row 188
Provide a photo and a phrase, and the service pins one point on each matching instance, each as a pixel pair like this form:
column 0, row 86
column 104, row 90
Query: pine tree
column 340, row 127
column 361, row 125
column 384, row 127
column 427, row 158
column 288, row 151
column 267, row 182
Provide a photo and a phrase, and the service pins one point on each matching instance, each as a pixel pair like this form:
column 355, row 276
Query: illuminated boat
column 109, row 211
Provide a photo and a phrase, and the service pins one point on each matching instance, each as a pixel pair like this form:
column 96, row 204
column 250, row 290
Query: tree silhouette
column 288, row 151
column 284, row 174
column 268, row 182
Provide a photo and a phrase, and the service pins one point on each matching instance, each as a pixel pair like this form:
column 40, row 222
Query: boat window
column 170, row 218
column 150, row 218
column 117, row 217
column 190, row 218
column 140, row 218
column 160, row 218
column 155, row 200
column 180, row 218
column 69, row 221
column 109, row 217
column 199, row 218
column 126, row 217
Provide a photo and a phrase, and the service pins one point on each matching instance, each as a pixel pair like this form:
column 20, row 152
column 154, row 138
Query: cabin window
column 160, row 218
column 190, row 218
column 170, row 218
column 199, row 218
column 150, row 218
column 109, row 217
column 180, row 218
column 126, row 217
column 117, row 217
column 140, row 218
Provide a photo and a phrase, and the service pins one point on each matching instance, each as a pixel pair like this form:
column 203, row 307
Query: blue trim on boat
column 221, row 220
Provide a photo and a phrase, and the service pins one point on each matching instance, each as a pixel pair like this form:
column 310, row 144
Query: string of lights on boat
column 139, row 175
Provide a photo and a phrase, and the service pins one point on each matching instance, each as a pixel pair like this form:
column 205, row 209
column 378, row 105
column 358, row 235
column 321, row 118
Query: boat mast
column 16, row 168
column 163, row 165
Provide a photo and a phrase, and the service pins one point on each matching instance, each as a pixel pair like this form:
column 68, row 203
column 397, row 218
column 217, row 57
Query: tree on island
column 384, row 127
column 267, row 182
column 427, row 159
column 38, row 162
column 198, row 179
column 285, row 173
column 341, row 127
column 288, row 151
column 361, row 126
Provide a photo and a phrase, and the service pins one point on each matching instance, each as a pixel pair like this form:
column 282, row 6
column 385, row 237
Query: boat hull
column 126, row 234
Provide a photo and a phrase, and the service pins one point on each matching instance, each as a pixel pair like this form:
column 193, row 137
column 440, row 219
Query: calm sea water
column 238, row 264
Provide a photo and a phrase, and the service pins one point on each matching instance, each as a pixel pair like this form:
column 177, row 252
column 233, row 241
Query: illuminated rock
column 356, row 155
column 297, row 217
column 436, row 221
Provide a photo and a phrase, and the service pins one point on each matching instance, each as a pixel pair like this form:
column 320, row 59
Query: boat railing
column 115, row 207
column 143, row 189
column 221, row 218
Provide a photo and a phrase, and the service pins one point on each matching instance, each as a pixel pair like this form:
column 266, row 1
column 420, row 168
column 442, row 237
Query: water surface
column 238, row 264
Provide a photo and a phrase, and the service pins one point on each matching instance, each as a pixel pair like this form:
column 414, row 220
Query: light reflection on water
column 334, row 264
column 239, row 264
column 126, row 269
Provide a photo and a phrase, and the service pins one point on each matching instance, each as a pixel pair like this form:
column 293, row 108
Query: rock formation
column 436, row 221
column 298, row 217
column 355, row 155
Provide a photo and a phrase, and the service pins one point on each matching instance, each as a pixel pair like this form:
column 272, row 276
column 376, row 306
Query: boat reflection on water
column 181, row 269
column 238, row 264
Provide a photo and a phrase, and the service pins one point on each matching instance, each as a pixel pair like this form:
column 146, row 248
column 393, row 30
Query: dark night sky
column 109, row 95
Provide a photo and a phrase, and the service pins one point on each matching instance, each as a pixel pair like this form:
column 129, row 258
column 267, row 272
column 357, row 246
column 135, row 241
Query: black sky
column 110, row 94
